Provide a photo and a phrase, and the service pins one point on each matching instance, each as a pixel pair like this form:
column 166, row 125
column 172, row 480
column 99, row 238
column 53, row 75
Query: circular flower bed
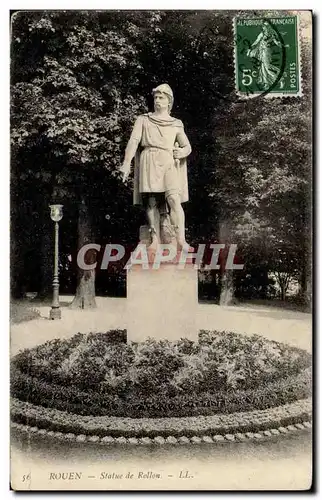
column 258, row 424
column 99, row 375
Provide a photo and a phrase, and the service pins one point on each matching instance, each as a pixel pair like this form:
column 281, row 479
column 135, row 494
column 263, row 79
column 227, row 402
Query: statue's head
column 163, row 97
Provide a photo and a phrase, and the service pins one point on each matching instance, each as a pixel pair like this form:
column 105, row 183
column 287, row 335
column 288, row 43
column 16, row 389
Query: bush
column 100, row 374
column 73, row 400
column 20, row 313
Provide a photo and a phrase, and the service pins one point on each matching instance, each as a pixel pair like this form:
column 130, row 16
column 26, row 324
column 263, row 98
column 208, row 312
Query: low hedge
column 70, row 399
column 21, row 312
column 98, row 374
column 58, row 421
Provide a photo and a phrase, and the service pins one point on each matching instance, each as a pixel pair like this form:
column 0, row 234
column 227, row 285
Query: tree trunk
column 227, row 283
column 227, row 288
column 264, row 284
column 283, row 280
column 305, row 281
column 85, row 292
column 283, row 293
column 16, row 257
column 18, row 243
column 305, row 278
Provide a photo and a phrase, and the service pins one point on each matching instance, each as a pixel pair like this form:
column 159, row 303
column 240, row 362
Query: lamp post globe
column 56, row 212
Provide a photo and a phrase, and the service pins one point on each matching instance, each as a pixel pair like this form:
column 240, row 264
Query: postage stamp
column 267, row 56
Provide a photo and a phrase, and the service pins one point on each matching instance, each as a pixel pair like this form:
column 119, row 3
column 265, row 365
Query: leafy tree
column 74, row 94
column 265, row 189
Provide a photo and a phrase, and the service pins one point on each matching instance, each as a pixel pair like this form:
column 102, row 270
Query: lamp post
column 56, row 214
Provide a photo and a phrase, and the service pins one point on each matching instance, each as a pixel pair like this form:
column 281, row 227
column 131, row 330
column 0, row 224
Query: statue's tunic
column 155, row 169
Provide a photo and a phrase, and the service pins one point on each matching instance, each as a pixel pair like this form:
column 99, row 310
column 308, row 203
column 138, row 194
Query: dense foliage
column 224, row 372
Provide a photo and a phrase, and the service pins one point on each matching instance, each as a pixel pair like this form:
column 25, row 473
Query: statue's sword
column 176, row 161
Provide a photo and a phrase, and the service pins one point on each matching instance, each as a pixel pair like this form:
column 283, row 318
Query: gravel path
column 291, row 327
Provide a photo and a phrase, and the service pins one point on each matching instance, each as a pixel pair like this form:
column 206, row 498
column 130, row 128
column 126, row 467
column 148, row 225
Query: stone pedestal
column 162, row 303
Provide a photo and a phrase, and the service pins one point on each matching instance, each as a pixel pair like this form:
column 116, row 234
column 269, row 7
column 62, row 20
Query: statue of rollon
column 159, row 147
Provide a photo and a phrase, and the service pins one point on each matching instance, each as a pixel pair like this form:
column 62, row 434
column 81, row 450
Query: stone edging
column 160, row 440
column 234, row 427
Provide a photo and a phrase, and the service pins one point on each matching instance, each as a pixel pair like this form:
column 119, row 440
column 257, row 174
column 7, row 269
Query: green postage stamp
column 267, row 56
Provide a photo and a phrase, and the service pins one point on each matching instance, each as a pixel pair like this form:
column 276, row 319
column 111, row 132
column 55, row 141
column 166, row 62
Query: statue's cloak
column 149, row 139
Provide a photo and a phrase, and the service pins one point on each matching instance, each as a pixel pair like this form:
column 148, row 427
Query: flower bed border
column 276, row 393
column 256, row 425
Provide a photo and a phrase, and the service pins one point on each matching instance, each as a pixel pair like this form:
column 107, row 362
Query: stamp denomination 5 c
column 267, row 56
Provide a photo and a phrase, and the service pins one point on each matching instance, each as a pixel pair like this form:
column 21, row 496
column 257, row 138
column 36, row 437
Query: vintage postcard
column 161, row 278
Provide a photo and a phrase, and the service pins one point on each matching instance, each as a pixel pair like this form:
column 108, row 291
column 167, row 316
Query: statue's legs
column 167, row 232
column 163, row 209
column 159, row 220
column 177, row 218
column 153, row 219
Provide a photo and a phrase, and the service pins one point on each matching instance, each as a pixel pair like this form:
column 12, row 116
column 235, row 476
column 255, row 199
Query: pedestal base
column 165, row 234
column 162, row 303
column 55, row 313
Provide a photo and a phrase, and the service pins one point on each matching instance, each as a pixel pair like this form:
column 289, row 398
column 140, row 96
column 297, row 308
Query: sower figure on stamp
column 160, row 171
